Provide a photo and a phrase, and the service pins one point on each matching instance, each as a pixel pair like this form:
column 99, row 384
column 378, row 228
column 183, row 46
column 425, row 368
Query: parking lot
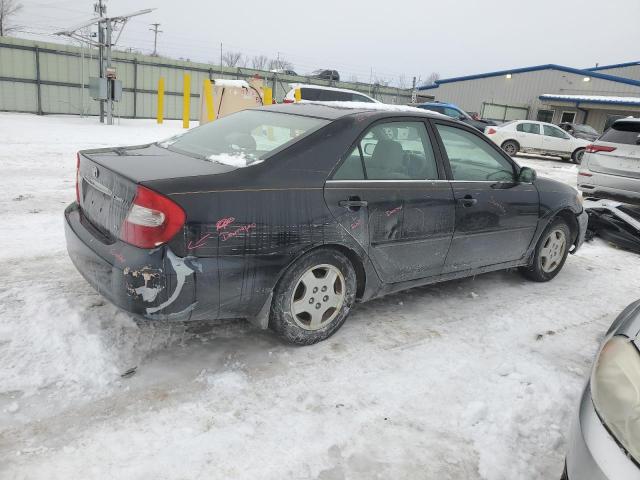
column 471, row 378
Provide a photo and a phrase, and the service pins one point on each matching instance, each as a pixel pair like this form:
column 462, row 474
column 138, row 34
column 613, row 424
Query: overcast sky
column 392, row 38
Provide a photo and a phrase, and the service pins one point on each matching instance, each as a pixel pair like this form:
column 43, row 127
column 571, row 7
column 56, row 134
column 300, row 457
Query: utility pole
column 155, row 37
column 100, row 9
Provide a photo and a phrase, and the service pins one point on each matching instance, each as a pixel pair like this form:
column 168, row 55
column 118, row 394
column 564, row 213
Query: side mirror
column 527, row 175
column 462, row 117
column 369, row 148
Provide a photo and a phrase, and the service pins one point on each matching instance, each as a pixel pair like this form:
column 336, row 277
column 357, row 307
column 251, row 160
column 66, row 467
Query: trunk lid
column 108, row 179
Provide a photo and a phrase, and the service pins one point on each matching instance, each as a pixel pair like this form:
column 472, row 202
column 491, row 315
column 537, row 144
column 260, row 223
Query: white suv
column 319, row 93
column 537, row 137
column 611, row 165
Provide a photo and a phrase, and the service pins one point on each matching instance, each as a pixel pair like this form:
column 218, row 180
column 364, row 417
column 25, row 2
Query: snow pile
column 238, row 160
column 447, row 381
column 387, row 107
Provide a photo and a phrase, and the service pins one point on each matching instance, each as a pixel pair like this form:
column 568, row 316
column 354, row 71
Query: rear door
column 496, row 216
column 390, row 194
column 624, row 159
column 555, row 140
column 528, row 135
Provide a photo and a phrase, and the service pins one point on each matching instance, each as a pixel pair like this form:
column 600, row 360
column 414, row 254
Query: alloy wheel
column 552, row 251
column 318, row 297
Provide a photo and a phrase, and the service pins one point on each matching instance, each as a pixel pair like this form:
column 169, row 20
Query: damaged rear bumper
column 153, row 284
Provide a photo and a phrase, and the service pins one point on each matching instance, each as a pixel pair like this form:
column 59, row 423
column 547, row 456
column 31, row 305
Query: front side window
column 391, row 151
column 244, row 138
column 472, row 159
column 552, row 131
column 529, row 128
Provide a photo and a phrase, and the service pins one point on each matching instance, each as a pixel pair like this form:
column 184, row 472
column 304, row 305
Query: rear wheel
column 314, row 297
column 577, row 156
column 510, row 147
column 551, row 252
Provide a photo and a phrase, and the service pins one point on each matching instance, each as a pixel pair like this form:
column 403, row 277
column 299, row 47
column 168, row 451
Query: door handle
column 467, row 201
column 353, row 203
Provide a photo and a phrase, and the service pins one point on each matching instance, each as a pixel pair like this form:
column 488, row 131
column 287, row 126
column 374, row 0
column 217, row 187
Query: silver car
column 605, row 441
column 610, row 166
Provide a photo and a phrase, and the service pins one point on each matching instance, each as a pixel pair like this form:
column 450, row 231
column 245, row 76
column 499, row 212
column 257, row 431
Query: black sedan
column 288, row 214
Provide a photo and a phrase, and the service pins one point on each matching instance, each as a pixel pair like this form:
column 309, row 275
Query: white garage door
column 503, row 113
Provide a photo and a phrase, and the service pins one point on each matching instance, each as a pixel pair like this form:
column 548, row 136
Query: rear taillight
column 153, row 220
column 491, row 131
column 288, row 100
column 598, row 148
column 78, row 178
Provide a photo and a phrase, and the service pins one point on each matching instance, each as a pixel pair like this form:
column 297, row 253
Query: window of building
column 568, row 117
column 503, row 113
column 545, row 116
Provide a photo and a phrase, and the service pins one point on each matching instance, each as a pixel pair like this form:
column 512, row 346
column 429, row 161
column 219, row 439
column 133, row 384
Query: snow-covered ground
column 476, row 378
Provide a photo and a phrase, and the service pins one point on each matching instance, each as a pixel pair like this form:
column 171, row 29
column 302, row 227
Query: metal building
column 549, row 93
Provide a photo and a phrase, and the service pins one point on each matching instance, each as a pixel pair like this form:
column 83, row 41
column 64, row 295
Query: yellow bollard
column 208, row 100
column 186, row 100
column 160, row 114
column 298, row 94
column 267, row 96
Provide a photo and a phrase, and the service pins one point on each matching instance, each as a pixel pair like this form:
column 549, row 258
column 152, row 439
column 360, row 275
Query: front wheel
column 551, row 252
column 577, row 156
column 313, row 298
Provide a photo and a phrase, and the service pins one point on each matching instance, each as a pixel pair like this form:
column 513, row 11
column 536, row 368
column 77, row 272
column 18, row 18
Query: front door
column 496, row 216
column 555, row 140
column 390, row 195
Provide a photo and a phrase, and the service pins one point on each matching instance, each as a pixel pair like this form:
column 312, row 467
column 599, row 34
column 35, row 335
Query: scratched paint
column 144, row 283
column 182, row 272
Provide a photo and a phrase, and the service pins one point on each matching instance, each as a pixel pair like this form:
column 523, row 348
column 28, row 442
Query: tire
column 576, row 156
column 551, row 252
column 307, row 307
column 510, row 147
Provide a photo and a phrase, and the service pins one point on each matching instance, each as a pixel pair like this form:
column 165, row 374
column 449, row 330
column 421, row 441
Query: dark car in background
column 325, row 75
column 287, row 214
column 580, row 130
column 453, row 111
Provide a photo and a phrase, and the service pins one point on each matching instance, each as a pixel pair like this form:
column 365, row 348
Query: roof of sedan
column 334, row 110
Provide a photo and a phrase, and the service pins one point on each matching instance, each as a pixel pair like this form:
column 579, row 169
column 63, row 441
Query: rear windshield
column 244, row 138
column 622, row 132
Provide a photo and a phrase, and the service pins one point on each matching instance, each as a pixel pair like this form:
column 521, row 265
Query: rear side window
column 244, row 138
column 391, row 151
column 627, row 133
column 361, row 98
column 529, row 128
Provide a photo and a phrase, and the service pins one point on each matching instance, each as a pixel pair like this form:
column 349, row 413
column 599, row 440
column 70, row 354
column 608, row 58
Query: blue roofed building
column 549, row 93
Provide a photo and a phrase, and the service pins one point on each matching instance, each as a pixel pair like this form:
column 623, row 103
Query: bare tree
column 8, row 8
column 402, row 81
column 259, row 62
column 280, row 64
column 231, row 59
column 432, row 79
column 380, row 81
column 353, row 79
